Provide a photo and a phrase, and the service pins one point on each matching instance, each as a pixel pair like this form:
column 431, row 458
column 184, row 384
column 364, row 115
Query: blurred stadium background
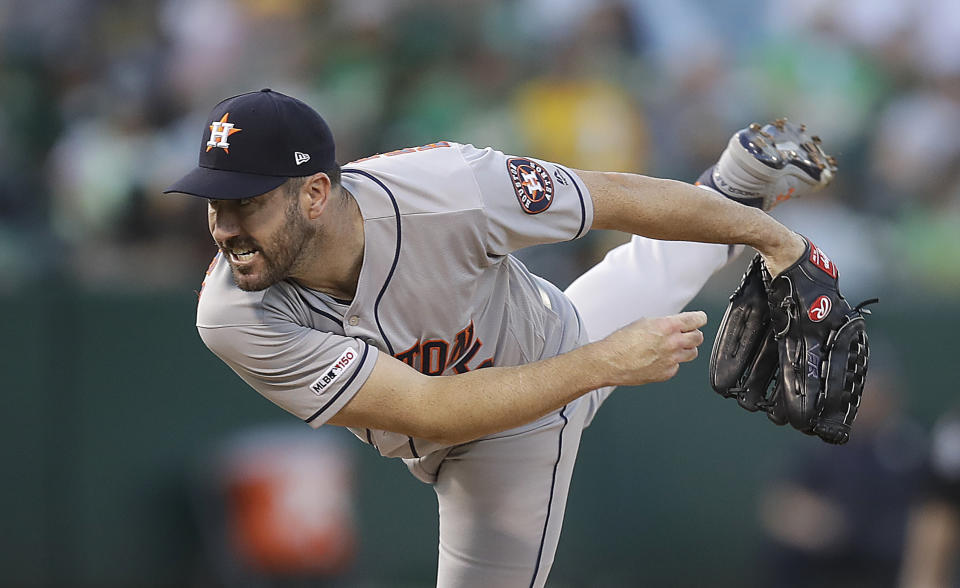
column 119, row 426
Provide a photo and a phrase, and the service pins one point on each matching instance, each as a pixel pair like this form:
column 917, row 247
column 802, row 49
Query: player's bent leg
column 644, row 278
column 502, row 501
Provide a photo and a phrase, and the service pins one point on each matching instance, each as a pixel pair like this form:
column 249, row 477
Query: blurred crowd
column 103, row 104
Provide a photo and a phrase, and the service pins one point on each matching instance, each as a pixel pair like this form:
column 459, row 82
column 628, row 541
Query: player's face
column 262, row 237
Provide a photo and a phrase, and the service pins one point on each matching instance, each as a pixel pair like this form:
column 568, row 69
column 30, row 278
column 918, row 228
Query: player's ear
column 317, row 190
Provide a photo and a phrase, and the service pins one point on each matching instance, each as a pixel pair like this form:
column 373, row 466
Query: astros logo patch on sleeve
column 532, row 184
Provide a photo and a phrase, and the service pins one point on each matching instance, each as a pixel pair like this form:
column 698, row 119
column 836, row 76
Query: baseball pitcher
column 383, row 297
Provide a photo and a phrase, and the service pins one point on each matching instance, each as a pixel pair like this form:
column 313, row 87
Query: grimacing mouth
column 242, row 256
column 239, row 252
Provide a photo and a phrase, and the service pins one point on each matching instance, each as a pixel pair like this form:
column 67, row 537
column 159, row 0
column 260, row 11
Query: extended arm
column 676, row 211
column 459, row 408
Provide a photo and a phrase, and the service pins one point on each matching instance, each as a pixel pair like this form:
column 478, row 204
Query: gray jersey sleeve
column 310, row 373
column 528, row 201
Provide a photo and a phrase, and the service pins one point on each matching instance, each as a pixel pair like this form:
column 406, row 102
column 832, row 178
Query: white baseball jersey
column 438, row 288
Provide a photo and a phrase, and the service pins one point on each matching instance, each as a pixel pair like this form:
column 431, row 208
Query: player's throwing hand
column 652, row 349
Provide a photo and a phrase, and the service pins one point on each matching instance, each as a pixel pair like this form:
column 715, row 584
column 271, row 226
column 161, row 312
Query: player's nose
column 224, row 224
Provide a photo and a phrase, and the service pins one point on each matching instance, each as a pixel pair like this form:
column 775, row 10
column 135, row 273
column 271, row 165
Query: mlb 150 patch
column 532, row 183
column 333, row 371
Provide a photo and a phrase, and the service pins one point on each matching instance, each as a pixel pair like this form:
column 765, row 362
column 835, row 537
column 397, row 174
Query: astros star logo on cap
column 219, row 131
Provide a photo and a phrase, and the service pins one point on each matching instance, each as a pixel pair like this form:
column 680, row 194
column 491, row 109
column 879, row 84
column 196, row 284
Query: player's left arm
column 676, row 211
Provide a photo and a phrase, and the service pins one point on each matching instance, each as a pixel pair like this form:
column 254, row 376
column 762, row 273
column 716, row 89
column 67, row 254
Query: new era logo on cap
column 235, row 164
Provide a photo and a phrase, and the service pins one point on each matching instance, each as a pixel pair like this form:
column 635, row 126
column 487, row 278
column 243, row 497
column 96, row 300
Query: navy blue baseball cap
column 253, row 143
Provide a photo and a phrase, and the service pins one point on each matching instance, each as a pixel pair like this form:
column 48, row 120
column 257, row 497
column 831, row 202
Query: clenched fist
column 651, row 349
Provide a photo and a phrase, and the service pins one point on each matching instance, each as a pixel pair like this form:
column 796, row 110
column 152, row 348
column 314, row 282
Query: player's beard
column 279, row 255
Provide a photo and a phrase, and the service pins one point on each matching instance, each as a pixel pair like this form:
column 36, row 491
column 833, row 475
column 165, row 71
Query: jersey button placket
column 353, row 321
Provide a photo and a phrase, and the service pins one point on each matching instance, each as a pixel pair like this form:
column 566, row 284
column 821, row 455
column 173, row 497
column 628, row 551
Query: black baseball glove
column 793, row 347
